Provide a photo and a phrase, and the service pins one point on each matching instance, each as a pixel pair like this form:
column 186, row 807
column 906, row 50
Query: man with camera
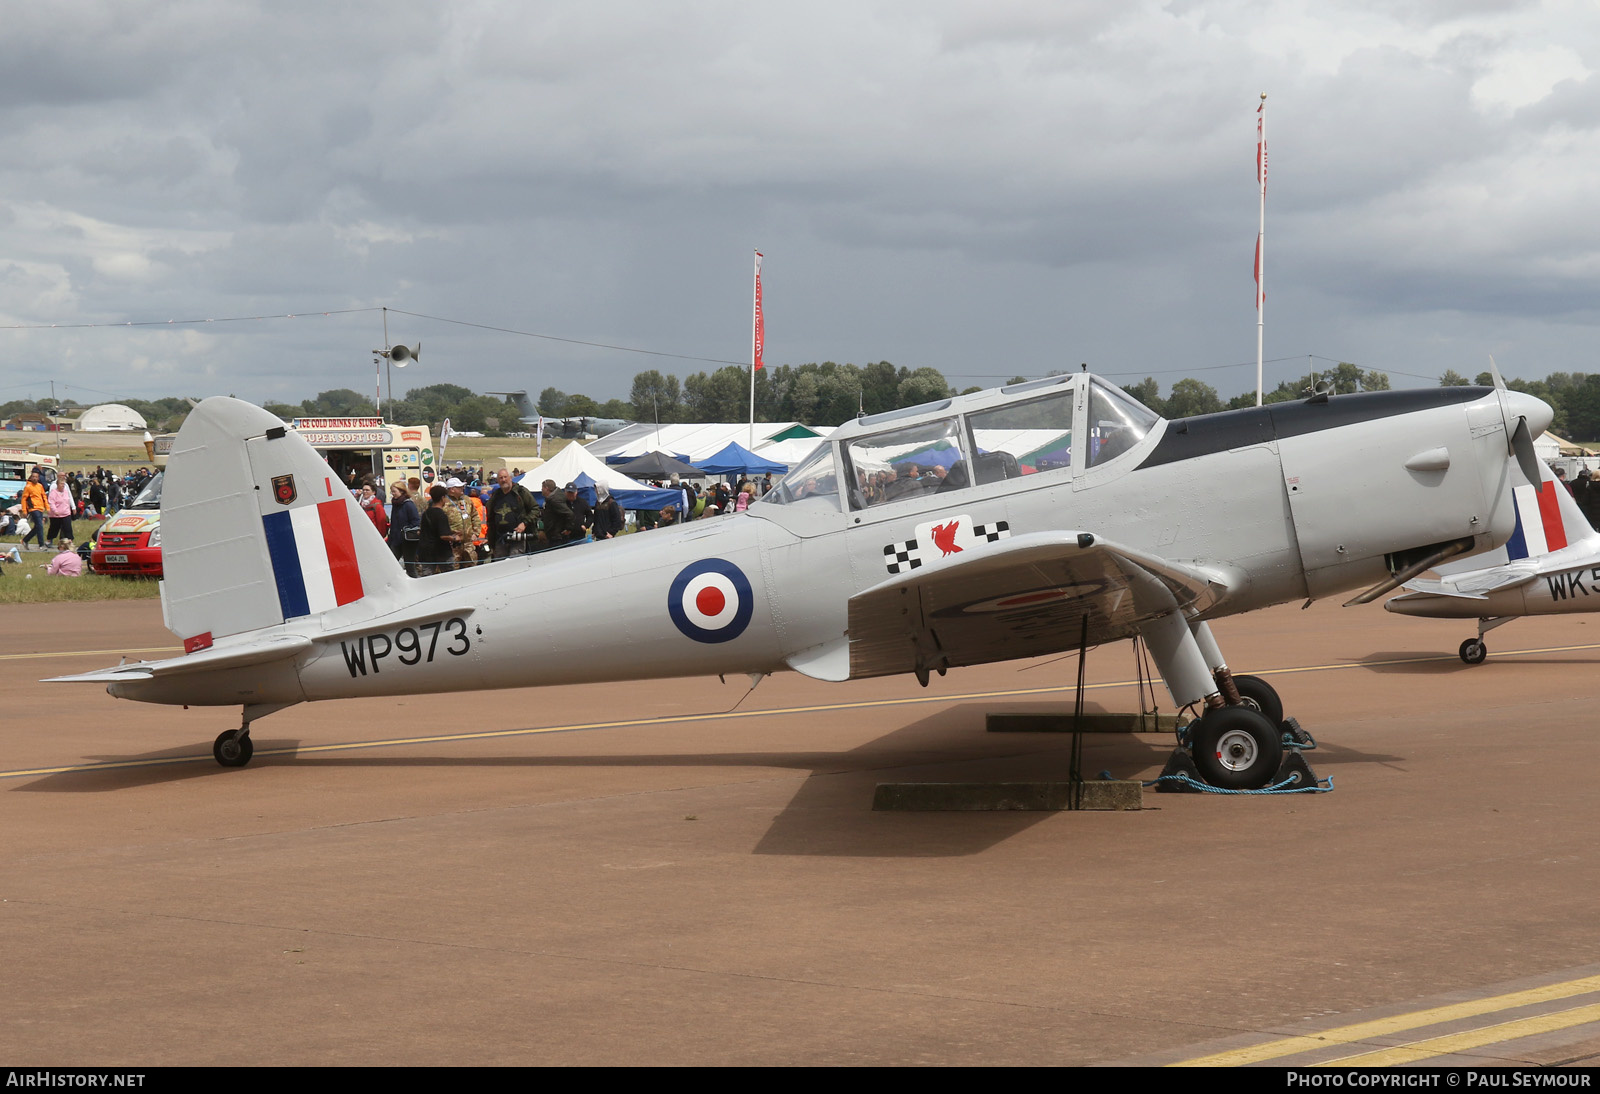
column 512, row 512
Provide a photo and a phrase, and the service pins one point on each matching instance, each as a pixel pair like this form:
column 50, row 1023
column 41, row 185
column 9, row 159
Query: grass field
column 29, row 584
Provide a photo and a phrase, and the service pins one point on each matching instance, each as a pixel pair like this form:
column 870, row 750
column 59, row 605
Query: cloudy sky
column 987, row 188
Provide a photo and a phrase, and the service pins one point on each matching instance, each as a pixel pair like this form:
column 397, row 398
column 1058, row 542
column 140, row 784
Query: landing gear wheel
column 1260, row 696
column 1236, row 748
column 1473, row 651
column 231, row 749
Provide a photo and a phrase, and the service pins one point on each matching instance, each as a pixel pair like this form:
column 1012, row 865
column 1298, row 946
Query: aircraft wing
column 1025, row 596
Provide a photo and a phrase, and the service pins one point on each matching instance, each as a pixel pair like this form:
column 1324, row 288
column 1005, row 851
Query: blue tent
column 736, row 459
column 628, row 499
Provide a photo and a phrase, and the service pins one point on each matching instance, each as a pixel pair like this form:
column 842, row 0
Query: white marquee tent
column 696, row 441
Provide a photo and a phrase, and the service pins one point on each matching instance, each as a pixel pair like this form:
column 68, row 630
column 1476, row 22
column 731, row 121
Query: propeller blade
column 1522, row 445
column 1494, row 370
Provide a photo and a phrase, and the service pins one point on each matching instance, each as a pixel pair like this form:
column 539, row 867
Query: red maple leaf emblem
column 944, row 537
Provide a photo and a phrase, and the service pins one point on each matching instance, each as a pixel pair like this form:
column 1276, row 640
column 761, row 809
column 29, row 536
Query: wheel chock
column 1296, row 735
column 1295, row 770
column 1179, row 763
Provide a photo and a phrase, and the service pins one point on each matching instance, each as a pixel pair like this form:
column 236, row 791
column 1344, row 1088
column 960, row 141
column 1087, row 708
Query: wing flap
column 1026, row 596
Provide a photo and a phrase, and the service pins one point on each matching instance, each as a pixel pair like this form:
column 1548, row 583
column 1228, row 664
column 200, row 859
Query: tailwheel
column 1260, row 696
column 1473, row 651
column 1236, row 748
column 232, row 748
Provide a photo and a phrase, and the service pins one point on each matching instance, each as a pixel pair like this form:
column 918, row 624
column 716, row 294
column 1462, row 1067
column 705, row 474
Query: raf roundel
column 711, row 601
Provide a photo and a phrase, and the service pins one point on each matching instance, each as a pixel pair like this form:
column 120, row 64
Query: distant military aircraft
column 1549, row 566
column 1002, row 524
column 561, row 427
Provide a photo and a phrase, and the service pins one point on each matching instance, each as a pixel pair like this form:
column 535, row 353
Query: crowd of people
column 453, row 525
column 50, row 502
column 464, row 521
column 1585, row 490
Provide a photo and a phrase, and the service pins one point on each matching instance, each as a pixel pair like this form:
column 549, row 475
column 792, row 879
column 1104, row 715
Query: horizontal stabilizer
column 253, row 653
column 1474, row 586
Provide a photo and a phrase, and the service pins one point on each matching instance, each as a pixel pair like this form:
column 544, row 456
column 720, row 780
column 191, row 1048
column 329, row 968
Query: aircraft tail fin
column 525, row 408
column 256, row 530
column 1548, row 520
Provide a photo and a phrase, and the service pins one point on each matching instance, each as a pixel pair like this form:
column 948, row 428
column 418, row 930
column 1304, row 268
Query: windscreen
column 150, row 496
column 814, row 482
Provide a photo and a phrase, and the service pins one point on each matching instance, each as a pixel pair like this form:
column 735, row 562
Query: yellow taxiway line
column 1400, row 1023
column 666, row 719
column 86, row 653
column 1451, row 1044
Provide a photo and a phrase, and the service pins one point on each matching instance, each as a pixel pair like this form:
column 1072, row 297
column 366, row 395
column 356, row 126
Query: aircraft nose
column 1520, row 404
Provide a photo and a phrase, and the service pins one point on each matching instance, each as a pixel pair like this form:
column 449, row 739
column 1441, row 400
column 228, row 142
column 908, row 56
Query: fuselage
column 1289, row 501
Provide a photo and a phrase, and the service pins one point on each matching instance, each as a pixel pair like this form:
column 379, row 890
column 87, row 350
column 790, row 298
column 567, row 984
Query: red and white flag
column 758, row 342
column 1261, row 146
column 1261, row 180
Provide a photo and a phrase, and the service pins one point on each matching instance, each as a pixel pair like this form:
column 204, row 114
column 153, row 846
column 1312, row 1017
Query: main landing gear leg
column 1473, row 651
column 1233, row 745
column 233, row 747
column 1248, row 691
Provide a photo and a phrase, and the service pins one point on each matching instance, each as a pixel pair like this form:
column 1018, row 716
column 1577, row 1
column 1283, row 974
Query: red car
column 130, row 542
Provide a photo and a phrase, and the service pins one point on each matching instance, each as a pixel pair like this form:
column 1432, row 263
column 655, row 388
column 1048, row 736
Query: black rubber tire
column 1260, row 695
column 232, row 751
column 1236, row 748
column 1473, row 651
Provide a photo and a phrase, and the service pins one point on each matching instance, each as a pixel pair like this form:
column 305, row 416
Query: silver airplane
column 1010, row 523
column 1549, row 566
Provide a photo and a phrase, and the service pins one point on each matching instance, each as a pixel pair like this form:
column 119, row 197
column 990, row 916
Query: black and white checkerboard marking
column 899, row 557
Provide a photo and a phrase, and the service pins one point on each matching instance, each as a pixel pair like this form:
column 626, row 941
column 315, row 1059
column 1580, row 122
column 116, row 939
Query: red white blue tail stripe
column 1540, row 528
column 313, row 557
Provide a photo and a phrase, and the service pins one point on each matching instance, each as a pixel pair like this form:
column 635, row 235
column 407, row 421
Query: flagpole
column 1261, row 239
column 757, row 337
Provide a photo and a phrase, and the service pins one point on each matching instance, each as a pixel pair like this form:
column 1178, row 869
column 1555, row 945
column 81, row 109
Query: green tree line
column 825, row 393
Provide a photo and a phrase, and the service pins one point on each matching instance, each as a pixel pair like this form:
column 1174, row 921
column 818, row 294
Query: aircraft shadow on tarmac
column 830, row 814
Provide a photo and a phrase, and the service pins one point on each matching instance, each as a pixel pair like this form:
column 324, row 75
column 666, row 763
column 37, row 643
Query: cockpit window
column 812, row 482
column 1116, row 422
column 903, row 463
column 1022, row 438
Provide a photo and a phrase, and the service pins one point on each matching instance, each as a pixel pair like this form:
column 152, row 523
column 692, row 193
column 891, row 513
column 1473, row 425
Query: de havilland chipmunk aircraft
column 1003, row 524
column 1549, row 566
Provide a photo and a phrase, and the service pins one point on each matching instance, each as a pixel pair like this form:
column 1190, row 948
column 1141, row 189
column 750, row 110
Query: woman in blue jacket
column 405, row 524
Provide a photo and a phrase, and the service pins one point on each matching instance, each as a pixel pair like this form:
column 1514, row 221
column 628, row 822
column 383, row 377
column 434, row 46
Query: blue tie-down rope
column 1287, row 786
column 1297, row 740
